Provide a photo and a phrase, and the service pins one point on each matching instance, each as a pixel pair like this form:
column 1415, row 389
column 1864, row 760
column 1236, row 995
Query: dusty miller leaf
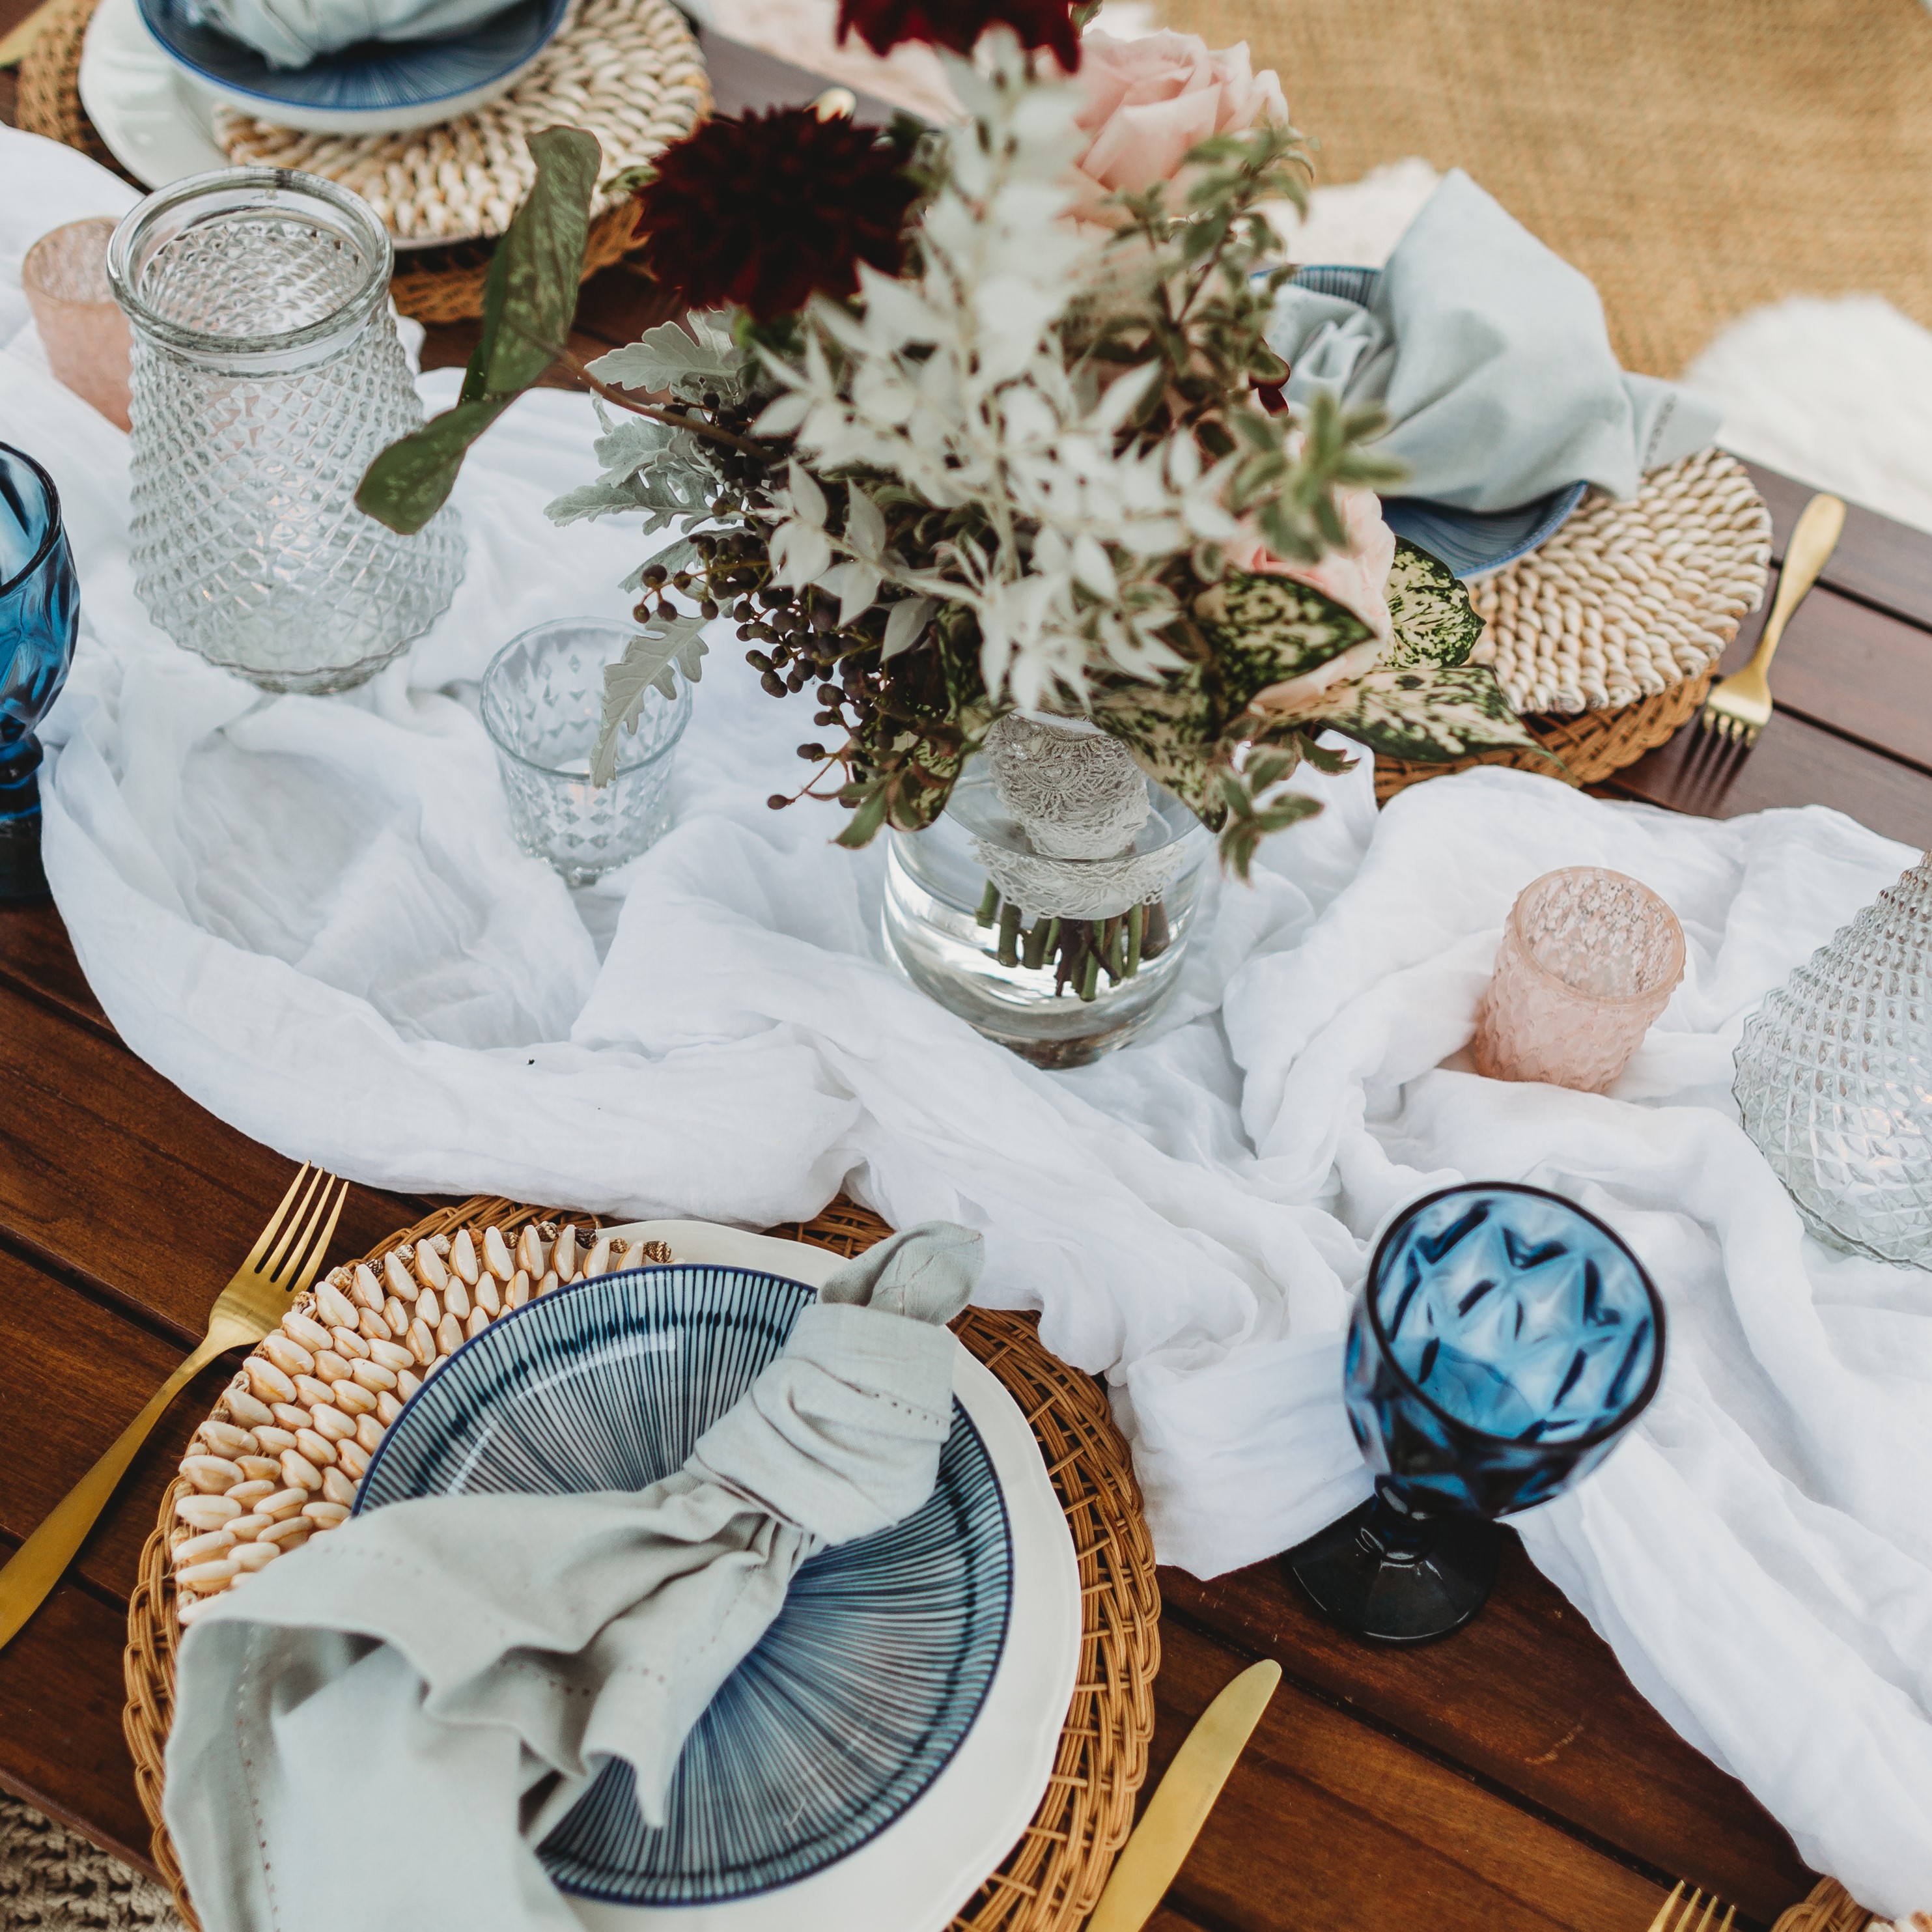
column 904, row 621
column 664, row 357
column 646, row 666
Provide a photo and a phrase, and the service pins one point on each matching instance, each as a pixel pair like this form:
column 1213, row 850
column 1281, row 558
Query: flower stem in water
column 989, row 905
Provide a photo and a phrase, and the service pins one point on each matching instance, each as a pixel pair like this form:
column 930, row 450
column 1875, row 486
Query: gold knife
column 1179, row 1808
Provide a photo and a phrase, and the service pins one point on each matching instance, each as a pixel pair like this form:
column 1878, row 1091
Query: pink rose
column 1149, row 100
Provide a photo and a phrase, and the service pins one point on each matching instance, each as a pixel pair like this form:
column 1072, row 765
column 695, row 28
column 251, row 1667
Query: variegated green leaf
column 1266, row 630
column 1427, row 713
column 1434, row 621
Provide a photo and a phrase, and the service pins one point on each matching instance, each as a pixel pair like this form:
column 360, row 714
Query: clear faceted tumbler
column 267, row 374
column 542, row 699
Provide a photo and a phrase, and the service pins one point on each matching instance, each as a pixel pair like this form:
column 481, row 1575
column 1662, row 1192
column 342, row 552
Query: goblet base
column 21, row 879
column 1396, row 1578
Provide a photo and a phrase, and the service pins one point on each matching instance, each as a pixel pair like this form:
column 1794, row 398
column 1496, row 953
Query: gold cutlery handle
column 1805, row 556
column 39, row 1563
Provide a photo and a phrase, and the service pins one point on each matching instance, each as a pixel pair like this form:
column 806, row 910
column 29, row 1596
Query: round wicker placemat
column 1829, row 1909
column 628, row 71
column 1052, row 1877
column 442, row 282
column 1606, row 637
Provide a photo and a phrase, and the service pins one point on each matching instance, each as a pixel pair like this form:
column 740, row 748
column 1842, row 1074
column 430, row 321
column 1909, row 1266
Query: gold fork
column 279, row 1266
column 1664, row 1923
column 1739, row 708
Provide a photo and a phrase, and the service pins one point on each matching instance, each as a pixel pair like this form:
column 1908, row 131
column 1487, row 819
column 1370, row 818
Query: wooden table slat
column 1877, row 560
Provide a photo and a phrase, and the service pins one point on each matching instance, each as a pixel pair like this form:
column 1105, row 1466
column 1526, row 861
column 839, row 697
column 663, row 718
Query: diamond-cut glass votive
column 543, row 696
column 1835, row 1079
column 79, row 323
column 267, row 375
column 1589, row 958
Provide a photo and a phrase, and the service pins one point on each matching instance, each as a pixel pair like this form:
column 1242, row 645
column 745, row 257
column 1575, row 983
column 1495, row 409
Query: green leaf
column 1266, row 630
column 529, row 298
column 863, row 825
column 1426, row 713
column 1434, row 621
column 645, row 666
column 411, row 480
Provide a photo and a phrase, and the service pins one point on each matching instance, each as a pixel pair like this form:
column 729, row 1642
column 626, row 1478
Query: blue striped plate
column 859, row 1694
column 374, row 87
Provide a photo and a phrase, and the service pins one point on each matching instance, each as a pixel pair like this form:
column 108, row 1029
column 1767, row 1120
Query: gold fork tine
column 1661, row 1923
column 311, row 1199
column 321, row 1245
column 269, row 1233
column 246, row 1309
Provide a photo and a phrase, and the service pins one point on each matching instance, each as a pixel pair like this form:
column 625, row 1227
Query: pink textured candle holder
column 81, row 325
column 1589, row 958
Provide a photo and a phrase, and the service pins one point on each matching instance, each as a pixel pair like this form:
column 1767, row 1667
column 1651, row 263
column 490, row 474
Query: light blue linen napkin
column 291, row 33
column 1490, row 353
column 379, row 1731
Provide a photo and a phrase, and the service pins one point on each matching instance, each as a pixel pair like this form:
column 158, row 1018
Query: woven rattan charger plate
column 1050, row 1879
column 1606, row 637
column 629, row 71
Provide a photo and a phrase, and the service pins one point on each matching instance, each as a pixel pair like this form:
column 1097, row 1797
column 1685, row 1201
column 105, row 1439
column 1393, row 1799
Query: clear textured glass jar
column 1062, row 958
column 1835, row 1079
column 267, row 373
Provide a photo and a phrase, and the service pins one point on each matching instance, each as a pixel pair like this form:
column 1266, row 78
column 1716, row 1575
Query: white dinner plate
column 917, row 1873
column 157, row 122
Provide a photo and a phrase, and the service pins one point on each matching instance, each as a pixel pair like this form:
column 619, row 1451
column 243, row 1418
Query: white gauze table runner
column 310, row 913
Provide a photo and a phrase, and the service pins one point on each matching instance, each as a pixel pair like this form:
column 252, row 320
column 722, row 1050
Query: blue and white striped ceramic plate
column 373, row 87
column 866, row 1686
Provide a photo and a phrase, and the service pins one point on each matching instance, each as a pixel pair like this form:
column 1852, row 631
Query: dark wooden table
column 1510, row 1779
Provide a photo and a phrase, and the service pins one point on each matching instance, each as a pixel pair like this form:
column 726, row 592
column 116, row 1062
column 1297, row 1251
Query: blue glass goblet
column 39, row 606
column 1504, row 1341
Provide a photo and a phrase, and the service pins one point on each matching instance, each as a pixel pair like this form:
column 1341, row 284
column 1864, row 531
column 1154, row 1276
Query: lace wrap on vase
column 1081, row 801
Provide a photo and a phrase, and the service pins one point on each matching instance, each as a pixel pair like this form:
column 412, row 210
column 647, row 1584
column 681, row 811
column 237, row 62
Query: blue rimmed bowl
column 375, row 87
column 864, row 1688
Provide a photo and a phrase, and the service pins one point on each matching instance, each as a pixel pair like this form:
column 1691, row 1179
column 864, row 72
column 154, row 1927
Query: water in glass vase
column 1061, row 959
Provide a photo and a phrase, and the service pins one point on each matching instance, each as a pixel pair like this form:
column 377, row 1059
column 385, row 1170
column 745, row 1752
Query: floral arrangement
column 972, row 420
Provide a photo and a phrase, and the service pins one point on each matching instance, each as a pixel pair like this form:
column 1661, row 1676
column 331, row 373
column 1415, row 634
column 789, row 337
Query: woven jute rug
column 1695, row 161
column 52, row 1877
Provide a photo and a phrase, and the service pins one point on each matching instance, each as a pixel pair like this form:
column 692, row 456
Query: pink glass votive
column 1588, row 959
column 81, row 325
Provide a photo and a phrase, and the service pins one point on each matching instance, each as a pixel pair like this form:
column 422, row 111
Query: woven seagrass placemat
column 1605, row 638
column 1050, row 1879
column 1694, row 161
column 628, row 69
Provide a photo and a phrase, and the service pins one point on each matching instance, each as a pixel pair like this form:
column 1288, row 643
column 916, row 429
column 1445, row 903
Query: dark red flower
column 764, row 210
column 957, row 24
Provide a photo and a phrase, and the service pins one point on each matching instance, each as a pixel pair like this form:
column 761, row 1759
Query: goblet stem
column 1388, row 1571
column 21, row 877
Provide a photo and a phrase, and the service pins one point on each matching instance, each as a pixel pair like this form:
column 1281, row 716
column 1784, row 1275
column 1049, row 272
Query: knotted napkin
column 1490, row 353
column 291, row 33
column 381, row 1730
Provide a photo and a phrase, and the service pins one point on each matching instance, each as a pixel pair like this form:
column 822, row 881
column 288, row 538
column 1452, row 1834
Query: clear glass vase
column 267, row 373
column 1050, row 906
column 1835, row 1079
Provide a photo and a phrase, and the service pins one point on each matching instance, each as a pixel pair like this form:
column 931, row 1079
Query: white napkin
column 309, row 914
column 473, row 1662
column 291, row 33
column 1490, row 353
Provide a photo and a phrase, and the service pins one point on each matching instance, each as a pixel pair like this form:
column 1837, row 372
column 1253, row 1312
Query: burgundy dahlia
column 766, row 209
column 957, row 24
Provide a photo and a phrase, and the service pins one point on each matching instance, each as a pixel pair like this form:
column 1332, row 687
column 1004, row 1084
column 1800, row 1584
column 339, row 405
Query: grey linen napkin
column 380, row 1731
column 1488, row 351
